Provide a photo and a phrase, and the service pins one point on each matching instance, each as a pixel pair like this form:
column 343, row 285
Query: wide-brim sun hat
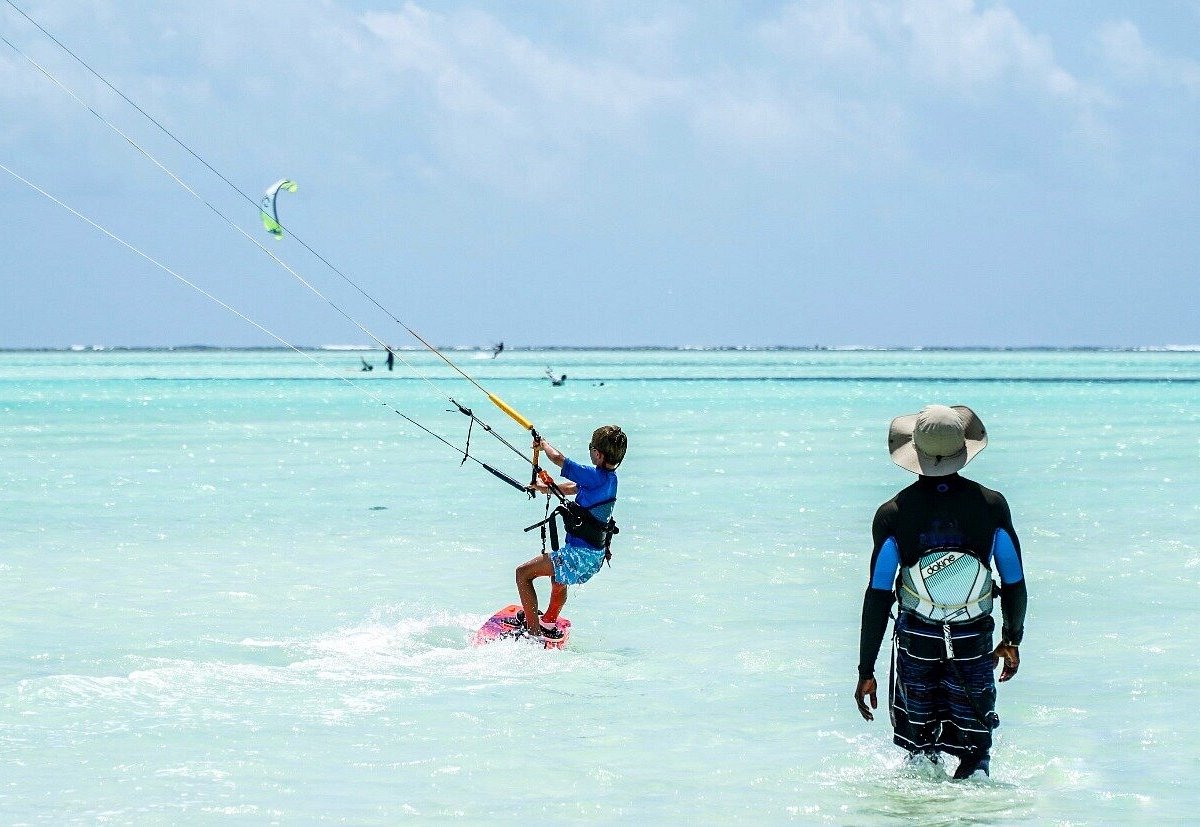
column 937, row 441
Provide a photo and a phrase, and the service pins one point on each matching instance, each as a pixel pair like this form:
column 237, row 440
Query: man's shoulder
column 889, row 510
column 897, row 500
column 990, row 495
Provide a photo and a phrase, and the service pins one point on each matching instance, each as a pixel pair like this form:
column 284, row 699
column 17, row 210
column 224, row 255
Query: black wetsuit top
column 937, row 512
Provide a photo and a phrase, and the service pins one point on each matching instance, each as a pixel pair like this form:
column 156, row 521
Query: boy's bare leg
column 527, row 572
column 558, row 597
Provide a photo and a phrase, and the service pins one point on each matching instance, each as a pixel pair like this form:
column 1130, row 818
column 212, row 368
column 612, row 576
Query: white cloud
column 953, row 44
column 514, row 109
column 838, row 80
column 1132, row 60
column 823, row 84
column 841, row 32
column 964, row 48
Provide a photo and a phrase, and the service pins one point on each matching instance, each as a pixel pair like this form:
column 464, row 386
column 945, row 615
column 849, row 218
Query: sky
column 912, row 173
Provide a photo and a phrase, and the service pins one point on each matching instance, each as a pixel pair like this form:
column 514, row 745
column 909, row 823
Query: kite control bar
column 537, row 475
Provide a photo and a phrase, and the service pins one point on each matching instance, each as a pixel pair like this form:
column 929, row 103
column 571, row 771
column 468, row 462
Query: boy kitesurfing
column 589, row 526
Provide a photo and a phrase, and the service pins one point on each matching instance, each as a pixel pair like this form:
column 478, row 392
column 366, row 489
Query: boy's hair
column 611, row 442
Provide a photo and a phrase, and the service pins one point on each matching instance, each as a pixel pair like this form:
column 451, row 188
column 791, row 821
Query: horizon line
column 363, row 348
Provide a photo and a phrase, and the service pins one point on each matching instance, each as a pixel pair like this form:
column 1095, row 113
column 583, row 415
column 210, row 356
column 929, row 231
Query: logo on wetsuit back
column 942, row 562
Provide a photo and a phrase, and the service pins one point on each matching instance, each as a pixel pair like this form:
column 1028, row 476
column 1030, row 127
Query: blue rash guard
column 595, row 486
column 578, row 560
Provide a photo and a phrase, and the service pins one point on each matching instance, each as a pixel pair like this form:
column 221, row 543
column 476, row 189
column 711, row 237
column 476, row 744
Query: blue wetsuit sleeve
column 1008, row 561
column 1013, row 595
column 877, row 602
column 887, row 563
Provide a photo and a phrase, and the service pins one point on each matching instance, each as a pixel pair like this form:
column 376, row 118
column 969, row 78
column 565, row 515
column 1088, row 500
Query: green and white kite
column 270, row 212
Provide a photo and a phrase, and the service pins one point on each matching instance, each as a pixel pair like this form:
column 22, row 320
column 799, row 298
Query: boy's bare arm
column 553, row 454
column 564, row 486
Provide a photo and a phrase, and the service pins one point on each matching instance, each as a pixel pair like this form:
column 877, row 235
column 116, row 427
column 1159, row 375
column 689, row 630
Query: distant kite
column 270, row 212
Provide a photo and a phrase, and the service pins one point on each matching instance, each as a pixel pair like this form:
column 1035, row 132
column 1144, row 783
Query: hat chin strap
column 937, row 458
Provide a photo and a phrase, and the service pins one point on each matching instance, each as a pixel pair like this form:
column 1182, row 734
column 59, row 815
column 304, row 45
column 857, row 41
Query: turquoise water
column 239, row 589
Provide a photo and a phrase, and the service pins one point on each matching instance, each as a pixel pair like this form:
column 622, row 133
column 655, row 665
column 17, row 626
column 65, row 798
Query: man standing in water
column 934, row 544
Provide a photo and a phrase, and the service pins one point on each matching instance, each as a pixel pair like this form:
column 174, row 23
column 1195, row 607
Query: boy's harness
column 582, row 523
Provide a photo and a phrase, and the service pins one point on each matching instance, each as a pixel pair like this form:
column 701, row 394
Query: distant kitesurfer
column 498, row 349
column 595, row 489
column 365, row 364
column 934, row 545
column 391, row 359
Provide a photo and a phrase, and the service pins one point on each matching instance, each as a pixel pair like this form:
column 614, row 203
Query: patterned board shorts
column 938, row 705
column 575, row 565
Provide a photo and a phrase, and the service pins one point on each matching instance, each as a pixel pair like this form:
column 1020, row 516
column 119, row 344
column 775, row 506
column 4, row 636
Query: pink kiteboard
column 496, row 629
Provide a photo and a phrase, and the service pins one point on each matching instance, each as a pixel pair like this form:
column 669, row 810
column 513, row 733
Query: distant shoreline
column 1194, row 348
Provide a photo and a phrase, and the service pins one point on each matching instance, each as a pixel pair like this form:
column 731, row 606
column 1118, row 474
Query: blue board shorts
column 574, row 565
